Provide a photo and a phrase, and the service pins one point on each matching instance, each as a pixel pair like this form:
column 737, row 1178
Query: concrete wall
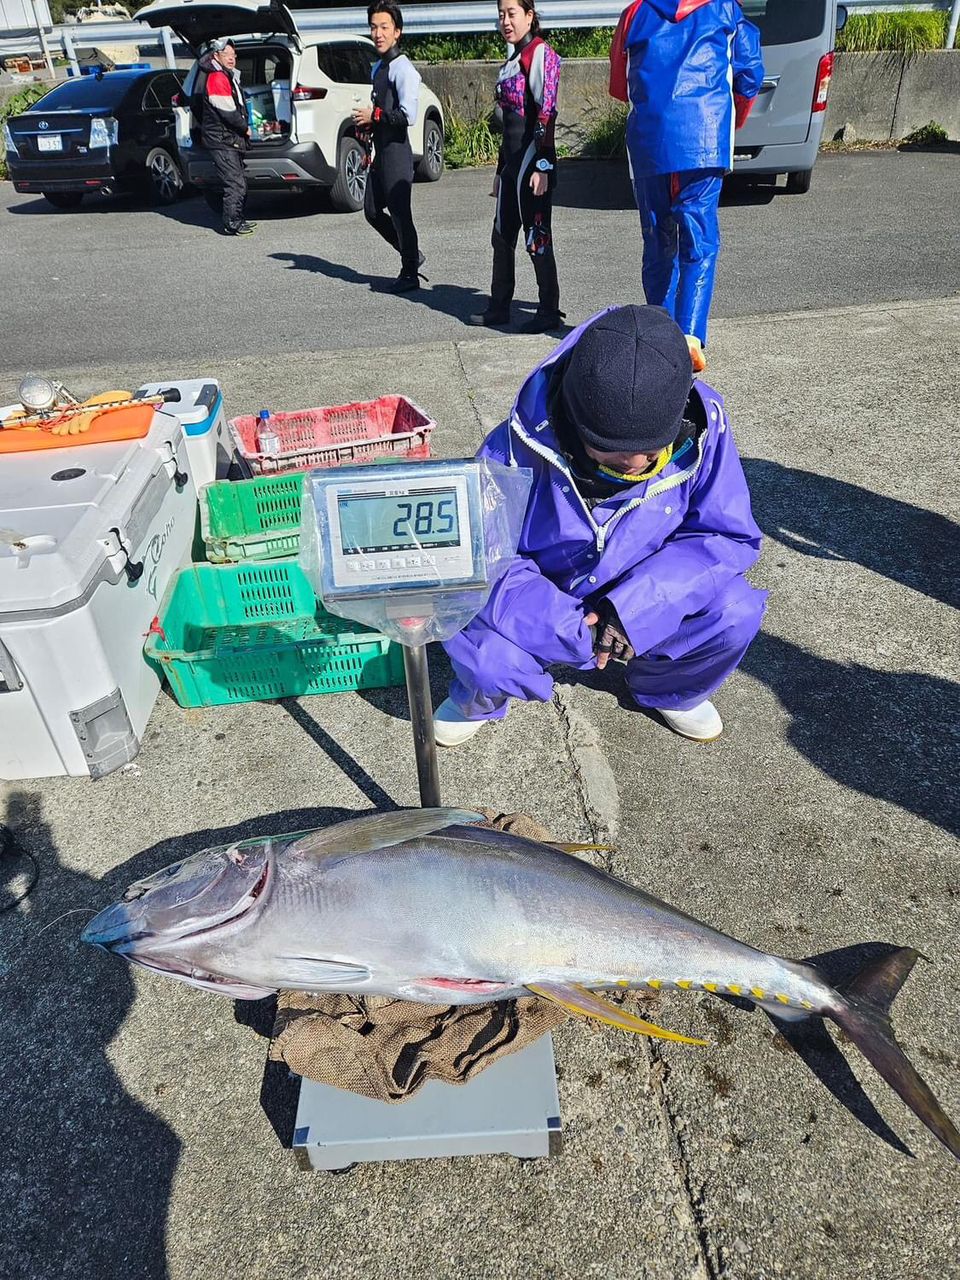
column 883, row 95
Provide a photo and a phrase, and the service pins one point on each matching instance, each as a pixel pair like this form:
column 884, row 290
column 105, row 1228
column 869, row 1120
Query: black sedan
column 104, row 132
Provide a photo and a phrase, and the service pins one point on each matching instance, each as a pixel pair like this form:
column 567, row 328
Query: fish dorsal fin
column 380, row 831
column 585, row 1003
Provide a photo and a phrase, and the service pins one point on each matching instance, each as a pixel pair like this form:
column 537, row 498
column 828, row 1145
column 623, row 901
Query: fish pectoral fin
column 581, row 848
column 587, row 1004
column 312, row 973
column 381, row 830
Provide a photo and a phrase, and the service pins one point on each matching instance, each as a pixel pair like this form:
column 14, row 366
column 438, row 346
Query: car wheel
column 64, row 199
column 431, row 164
column 346, row 194
column 163, row 176
column 798, row 182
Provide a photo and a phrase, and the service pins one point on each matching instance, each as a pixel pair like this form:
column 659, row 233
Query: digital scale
column 414, row 549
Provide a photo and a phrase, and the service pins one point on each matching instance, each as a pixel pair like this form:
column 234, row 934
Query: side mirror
column 841, row 16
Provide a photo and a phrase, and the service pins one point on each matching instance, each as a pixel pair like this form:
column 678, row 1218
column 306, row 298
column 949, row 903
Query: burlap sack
column 387, row 1049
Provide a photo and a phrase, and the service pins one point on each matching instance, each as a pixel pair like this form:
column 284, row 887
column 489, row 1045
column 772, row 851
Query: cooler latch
column 168, row 458
column 118, row 554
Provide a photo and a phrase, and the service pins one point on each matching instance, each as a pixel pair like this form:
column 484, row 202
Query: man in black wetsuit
column 396, row 90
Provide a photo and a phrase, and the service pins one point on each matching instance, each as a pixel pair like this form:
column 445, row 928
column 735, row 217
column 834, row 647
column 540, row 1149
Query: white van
column 300, row 98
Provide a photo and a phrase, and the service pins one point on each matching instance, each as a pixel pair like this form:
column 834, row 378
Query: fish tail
column 863, row 1012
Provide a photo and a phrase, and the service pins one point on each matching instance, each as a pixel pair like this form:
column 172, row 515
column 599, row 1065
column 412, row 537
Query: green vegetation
column 13, row 107
column 583, row 42
column 907, row 32
column 606, row 136
column 469, row 142
column 930, row 135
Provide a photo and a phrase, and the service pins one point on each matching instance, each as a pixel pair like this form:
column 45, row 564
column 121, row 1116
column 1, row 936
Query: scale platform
column 511, row 1108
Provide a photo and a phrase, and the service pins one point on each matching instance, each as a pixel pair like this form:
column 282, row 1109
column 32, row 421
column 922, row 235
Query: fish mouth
column 111, row 929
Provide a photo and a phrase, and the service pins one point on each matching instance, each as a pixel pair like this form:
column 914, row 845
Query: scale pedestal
column 510, row 1108
column 417, row 545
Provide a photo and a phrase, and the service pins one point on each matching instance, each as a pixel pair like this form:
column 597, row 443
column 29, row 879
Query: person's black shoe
column 543, row 322
column 405, row 284
column 491, row 318
column 241, row 229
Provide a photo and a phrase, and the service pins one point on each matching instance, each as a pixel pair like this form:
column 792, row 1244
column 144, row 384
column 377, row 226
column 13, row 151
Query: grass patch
column 908, row 32
column 469, row 142
column 929, row 135
column 27, row 96
column 582, row 42
column 606, row 136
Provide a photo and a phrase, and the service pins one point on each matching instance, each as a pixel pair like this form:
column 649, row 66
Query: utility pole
column 43, row 40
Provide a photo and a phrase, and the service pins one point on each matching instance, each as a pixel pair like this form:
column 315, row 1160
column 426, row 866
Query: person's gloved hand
column 611, row 638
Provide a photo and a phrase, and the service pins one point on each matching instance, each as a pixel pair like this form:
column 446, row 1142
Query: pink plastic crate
column 336, row 435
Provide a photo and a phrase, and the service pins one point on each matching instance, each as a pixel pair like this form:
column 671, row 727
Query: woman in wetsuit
column 395, row 95
column 526, row 168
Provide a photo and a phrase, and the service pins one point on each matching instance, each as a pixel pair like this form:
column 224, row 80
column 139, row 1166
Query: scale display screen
column 398, row 529
column 375, row 522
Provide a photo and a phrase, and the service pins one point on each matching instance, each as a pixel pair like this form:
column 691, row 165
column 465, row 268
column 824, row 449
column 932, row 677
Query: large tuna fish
column 425, row 905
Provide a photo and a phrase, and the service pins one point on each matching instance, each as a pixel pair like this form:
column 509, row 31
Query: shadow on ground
column 830, row 519
column 87, row 1169
column 449, row 299
column 605, row 184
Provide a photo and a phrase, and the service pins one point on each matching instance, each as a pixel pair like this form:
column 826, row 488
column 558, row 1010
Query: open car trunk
column 266, row 75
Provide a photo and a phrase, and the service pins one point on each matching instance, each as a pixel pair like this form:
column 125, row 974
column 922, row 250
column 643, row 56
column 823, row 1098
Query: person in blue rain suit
column 690, row 71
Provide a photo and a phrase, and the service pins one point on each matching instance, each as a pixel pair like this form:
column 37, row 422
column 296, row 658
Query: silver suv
column 783, row 131
column 300, row 98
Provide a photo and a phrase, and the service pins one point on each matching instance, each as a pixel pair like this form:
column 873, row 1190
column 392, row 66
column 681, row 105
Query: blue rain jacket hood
column 660, row 550
column 680, row 64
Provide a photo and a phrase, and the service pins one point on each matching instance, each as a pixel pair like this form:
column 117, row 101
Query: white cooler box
column 89, row 537
column 197, row 403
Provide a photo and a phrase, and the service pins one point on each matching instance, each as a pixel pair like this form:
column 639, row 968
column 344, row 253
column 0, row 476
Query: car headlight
column 8, row 141
column 103, row 132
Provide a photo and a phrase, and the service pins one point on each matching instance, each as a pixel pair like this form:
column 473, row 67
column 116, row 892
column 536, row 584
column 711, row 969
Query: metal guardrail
column 419, row 20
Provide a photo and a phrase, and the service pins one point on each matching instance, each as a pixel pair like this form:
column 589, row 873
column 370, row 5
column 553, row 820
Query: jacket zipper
column 601, row 530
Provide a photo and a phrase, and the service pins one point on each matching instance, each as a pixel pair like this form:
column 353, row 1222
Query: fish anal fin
column 380, row 831
column 587, row 1004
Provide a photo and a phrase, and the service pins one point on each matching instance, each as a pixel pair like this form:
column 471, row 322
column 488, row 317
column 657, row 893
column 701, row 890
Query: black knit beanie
column 627, row 380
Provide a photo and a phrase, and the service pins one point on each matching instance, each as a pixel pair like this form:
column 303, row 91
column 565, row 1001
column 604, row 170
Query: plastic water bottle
column 268, row 442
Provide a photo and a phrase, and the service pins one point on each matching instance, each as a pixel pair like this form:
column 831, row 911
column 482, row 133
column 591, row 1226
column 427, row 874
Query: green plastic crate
column 255, row 519
column 245, row 632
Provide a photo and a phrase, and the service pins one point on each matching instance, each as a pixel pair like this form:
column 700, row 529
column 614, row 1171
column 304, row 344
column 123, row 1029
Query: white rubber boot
column 451, row 726
column 702, row 723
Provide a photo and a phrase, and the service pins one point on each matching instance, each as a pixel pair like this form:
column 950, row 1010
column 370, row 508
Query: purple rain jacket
column 690, row 70
column 660, row 551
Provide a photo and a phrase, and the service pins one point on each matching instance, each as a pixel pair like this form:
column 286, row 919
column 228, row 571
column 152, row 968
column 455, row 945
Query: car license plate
column 50, row 142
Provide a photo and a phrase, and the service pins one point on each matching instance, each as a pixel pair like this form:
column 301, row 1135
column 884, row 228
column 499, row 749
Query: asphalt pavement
column 140, row 1137
column 117, row 281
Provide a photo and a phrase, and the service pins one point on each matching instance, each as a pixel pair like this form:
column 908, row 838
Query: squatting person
column 636, row 537
column 224, row 129
column 691, row 71
column 395, row 97
column 526, row 93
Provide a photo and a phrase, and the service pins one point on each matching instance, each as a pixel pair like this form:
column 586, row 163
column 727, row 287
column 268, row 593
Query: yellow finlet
column 710, row 986
column 683, row 983
column 782, row 998
column 579, row 1000
column 654, row 982
column 734, row 989
column 758, row 992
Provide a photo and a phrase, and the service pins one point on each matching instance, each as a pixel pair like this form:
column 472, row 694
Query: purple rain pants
column 679, row 672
